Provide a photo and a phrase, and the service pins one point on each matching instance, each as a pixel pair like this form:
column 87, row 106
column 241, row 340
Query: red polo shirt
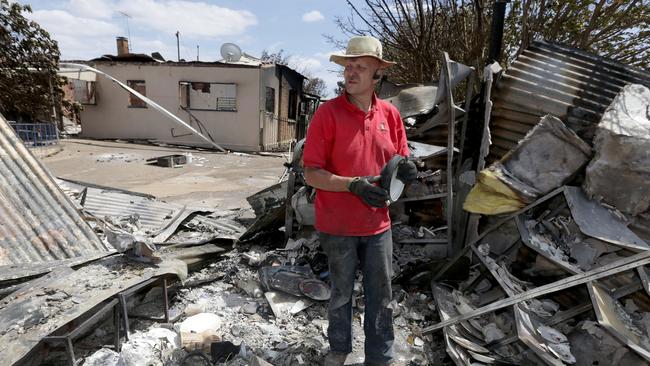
column 345, row 141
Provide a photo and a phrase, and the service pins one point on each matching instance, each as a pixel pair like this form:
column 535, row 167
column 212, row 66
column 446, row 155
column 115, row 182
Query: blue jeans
column 375, row 254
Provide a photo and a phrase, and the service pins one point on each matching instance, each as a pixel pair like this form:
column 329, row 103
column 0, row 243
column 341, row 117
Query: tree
column 340, row 87
column 414, row 32
column 276, row 57
column 29, row 61
column 611, row 28
column 315, row 85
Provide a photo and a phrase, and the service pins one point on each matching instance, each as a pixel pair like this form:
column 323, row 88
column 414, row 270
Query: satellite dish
column 230, row 52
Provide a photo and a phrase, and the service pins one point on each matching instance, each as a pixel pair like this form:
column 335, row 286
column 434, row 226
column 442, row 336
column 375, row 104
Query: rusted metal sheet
column 573, row 85
column 39, row 226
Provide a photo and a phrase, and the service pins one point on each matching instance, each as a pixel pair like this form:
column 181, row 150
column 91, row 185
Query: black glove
column 370, row 193
column 407, row 172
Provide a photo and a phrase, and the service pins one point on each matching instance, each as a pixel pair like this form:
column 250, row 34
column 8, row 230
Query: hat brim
column 340, row 59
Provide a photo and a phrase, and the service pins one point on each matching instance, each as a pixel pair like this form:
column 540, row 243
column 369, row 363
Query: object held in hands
column 391, row 179
column 370, row 193
column 407, row 172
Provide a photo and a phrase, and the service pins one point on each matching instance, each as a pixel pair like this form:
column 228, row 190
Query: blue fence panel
column 37, row 134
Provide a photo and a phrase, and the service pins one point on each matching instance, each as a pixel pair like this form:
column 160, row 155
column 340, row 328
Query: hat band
column 358, row 52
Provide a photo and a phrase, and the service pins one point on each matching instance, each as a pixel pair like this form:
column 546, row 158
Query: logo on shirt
column 382, row 127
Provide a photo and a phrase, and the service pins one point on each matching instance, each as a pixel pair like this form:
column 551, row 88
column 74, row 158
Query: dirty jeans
column 374, row 253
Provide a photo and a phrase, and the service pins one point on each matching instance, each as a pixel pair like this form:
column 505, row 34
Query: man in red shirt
column 350, row 139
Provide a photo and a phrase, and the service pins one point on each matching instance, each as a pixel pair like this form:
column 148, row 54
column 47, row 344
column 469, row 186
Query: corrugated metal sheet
column 573, row 85
column 39, row 226
column 154, row 215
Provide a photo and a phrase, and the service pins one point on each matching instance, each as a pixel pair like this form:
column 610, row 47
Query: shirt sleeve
column 318, row 143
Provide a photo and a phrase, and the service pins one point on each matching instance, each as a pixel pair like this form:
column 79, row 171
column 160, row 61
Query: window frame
column 270, row 90
column 132, row 97
column 292, row 106
column 188, row 86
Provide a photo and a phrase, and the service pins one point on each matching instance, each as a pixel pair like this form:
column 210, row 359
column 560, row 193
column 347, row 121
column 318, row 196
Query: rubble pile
column 555, row 233
column 226, row 302
column 539, row 259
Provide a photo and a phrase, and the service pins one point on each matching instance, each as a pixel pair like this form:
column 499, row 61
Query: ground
column 213, row 179
column 223, row 181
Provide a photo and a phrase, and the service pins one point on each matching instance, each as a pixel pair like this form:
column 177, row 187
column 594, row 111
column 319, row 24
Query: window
column 84, row 91
column 270, row 100
column 205, row 96
column 293, row 104
column 140, row 87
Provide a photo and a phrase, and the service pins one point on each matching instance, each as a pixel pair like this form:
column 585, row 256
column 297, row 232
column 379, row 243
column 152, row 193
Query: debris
column 269, row 206
column 257, row 361
column 517, row 293
column 302, row 203
column 619, row 173
column 199, row 331
column 615, row 319
column 545, row 159
column 250, row 307
column 223, row 351
column 285, row 305
column 154, row 347
column 294, row 280
column 42, row 229
column 103, row 357
column 170, row 161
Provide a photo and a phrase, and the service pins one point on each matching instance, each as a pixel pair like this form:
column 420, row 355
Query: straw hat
column 362, row 46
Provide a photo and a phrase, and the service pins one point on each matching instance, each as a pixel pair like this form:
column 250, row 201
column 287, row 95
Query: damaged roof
column 573, row 85
column 39, row 227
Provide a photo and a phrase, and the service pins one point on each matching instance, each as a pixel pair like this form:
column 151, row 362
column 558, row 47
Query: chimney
column 122, row 46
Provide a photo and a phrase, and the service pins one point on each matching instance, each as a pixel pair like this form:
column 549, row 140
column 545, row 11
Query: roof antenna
column 178, row 46
column 128, row 29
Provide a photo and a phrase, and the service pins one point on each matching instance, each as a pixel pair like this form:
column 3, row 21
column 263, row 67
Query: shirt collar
column 353, row 108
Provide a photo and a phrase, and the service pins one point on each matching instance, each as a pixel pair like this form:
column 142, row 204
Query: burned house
column 243, row 105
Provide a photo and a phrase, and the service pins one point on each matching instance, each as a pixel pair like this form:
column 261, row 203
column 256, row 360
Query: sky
column 86, row 29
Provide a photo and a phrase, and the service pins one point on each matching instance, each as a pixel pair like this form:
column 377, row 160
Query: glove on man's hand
column 407, row 172
column 371, row 194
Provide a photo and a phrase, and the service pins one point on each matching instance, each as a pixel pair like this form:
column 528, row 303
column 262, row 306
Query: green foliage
column 28, row 65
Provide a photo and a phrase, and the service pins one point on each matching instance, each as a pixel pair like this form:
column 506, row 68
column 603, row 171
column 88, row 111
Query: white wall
column 112, row 117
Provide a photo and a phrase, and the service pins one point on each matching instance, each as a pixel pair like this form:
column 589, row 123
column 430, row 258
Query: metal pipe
column 496, row 32
column 150, row 102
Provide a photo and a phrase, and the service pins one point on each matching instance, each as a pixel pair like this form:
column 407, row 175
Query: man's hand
column 370, row 193
column 407, row 172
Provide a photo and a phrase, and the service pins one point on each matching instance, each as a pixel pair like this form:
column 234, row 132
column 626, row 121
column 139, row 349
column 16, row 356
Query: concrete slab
column 212, row 179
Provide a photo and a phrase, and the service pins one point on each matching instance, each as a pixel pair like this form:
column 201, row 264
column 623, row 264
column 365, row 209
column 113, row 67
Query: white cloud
column 318, row 66
column 60, row 22
column 78, row 37
column 312, row 16
column 190, row 18
column 98, row 9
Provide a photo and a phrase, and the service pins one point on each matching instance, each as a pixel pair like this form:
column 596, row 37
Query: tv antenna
column 128, row 29
column 230, row 52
